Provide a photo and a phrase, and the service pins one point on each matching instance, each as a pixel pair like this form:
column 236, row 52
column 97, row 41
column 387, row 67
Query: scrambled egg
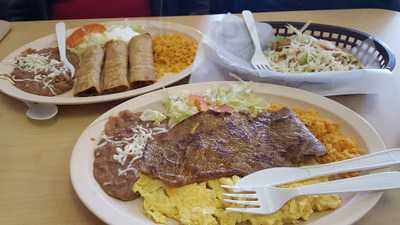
column 201, row 204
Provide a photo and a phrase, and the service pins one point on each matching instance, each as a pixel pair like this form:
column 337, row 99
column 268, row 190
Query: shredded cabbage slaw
column 239, row 97
column 305, row 53
column 177, row 109
column 152, row 115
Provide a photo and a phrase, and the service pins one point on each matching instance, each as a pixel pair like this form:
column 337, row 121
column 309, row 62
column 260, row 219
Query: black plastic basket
column 343, row 38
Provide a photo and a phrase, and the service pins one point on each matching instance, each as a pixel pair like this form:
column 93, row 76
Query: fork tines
column 261, row 67
column 241, row 196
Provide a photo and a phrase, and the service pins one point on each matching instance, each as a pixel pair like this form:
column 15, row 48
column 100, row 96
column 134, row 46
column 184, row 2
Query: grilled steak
column 210, row 145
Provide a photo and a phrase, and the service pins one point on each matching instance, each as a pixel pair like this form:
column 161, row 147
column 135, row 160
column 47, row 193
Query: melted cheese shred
column 39, row 64
column 132, row 145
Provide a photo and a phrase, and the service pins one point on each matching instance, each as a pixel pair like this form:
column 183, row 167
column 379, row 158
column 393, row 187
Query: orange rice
column 173, row 53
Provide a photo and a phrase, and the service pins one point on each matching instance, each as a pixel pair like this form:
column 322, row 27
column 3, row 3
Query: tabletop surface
column 34, row 155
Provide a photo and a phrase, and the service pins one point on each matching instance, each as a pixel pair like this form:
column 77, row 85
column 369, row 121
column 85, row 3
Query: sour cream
column 120, row 32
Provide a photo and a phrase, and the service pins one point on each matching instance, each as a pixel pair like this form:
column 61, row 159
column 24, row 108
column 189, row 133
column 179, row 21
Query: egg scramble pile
column 201, row 204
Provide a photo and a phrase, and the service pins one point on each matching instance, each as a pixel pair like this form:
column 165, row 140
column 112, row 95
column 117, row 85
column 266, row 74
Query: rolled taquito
column 115, row 69
column 88, row 75
column 141, row 64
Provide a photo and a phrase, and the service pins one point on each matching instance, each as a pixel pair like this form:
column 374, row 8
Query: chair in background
column 82, row 9
column 236, row 6
column 17, row 10
column 78, row 9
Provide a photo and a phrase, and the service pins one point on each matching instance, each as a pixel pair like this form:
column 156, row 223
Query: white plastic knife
column 282, row 175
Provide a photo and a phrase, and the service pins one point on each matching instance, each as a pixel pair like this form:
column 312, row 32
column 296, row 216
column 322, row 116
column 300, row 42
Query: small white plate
column 153, row 27
column 113, row 211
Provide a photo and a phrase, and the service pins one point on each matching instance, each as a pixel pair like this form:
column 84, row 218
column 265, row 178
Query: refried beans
column 114, row 168
column 40, row 72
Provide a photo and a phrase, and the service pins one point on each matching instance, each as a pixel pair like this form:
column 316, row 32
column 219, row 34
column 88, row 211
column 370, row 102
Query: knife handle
column 366, row 162
column 370, row 182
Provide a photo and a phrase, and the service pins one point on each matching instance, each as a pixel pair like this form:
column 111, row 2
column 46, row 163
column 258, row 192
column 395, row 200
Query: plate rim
column 370, row 199
column 12, row 91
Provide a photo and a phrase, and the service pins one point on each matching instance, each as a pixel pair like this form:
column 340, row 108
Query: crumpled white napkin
column 227, row 48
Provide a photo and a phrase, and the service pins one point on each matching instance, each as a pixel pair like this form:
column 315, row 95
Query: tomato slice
column 79, row 34
column 94, row 28
column 75, row 38
column 199, row 102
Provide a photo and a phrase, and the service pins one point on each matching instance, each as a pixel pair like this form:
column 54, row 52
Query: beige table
column 34, row 156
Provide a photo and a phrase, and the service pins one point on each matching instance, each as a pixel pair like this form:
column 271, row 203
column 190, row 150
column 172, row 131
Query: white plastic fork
column 362, row 52
column 61, row 36
column 267, row 200
column 259, row 61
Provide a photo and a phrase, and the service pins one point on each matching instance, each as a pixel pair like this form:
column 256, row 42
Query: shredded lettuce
column 279, row 38
column 239, row 97
column 91, row 39
column 113, row 32
column 152, row 115
column 137, row 28
column 177, row 109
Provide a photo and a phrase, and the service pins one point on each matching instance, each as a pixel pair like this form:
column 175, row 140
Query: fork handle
column 251, row 26
column 60, row 32
column 371, row 182
column 366, row 162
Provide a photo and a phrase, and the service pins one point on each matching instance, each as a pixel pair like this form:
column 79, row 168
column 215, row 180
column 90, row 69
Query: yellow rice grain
column 173, row 53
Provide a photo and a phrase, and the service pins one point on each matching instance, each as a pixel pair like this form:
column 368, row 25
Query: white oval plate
column 154, row 27
column 113, row 211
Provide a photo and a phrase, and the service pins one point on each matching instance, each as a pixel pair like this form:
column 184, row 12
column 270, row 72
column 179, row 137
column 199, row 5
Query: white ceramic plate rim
column 50, row 40
column 359, row 205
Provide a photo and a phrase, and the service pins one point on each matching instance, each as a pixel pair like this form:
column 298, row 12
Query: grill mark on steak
column 106, row 169
column 210, row 145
